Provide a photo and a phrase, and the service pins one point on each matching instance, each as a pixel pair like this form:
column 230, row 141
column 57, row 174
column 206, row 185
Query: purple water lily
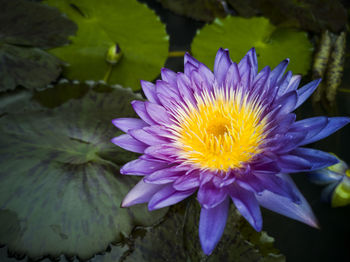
column 231, row 134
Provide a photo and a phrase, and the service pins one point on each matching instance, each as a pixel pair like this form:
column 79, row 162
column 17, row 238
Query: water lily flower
column 228, row 135
column 337, row 179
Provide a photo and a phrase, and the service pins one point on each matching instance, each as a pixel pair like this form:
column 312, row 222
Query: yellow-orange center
column 222, row 132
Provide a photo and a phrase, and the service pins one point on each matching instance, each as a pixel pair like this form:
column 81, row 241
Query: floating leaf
column 238, row 34
column 104, row 24
column 176, row 239
column 60, row 181
column 21, row 62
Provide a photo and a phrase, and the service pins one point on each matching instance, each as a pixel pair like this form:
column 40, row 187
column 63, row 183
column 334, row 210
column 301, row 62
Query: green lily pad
column 238, row 34
column 22, row 63
column 60, row 180
column 176, row 239
column 104, row 24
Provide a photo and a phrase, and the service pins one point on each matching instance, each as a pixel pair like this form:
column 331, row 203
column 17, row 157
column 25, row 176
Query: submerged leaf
column 102, row 24
column 203, row 10
column 25, row 26
column 311, row 15
column 60, row 181
column 240, row 242
column 27, row 23
column 176, row 239
column 238, row 34
column 29, row 67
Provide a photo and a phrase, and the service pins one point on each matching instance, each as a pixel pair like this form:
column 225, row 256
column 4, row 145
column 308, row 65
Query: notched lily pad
column 60, row 178
column 272, row 44
column 176, row 239
column 24, row 28
column 104, row 24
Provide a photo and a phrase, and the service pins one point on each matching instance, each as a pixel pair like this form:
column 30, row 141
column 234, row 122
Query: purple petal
column 145, row 137
column 157, row 113
column 287, row 103
column 185, row 90
column 312, row 126
column 283, row 85
column 306, row 91
column 166, row 88
column 168, row 76
column 285, row 123
column 277, row 185
column 164, row 151
column 186, row 182
column 292, row 163
column 140, row 110
column 127, row 142
column 244, row 68
column 210, row 196
column 333, row 125
column 317, row 158
column 269, row 167
column 125, row 124
column 282, row 144
column 140, row 193
column 324, row 177
column 205, row 177
column 158, row 130
column 247, row 205
column 253, row 61
column 282, row 205
column 211, row 225
column 221, row 65
column 163, row 176
column 206, row 74
column 168, row 196
column 232, row 77
column 294, row 83
column 142, row 167
column 277, row 73
column 260, row 80
column 189, row 59
column 150, row 91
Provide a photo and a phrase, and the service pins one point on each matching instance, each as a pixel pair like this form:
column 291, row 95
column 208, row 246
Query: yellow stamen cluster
column 222, row 132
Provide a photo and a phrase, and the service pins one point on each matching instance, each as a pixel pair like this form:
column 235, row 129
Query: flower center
column 222, row 132
column 217, row 129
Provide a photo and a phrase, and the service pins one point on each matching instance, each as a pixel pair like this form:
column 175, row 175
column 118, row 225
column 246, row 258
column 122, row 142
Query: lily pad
column 60, row 180
column 176, row 239
column 272, row 44
column 22, row 63
column 104, row 24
